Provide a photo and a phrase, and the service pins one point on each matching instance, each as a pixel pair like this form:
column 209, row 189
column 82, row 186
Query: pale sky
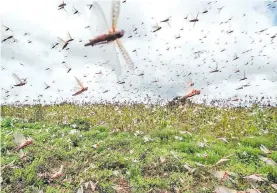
column 172, row 62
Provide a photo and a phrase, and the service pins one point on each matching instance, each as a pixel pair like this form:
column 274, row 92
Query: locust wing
column 79, row 82
column 19, row 138
column 61, row 42
column 67, row 66
column 125, row 55
column 189, row 86
column 45, row 84
column 57, row 171
column 99, row 23
column 156, row 26
column 169, row 24
column 21, row 153
column 17, row 79
column 115, row 14
column 69, row 36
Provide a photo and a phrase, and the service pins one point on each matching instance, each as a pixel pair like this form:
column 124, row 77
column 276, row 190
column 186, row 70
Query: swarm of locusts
column 189, row 142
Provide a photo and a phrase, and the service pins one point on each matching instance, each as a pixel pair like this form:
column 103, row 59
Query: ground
column 138, row 148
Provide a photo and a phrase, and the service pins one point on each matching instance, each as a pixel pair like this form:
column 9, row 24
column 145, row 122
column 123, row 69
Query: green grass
column 132, row 142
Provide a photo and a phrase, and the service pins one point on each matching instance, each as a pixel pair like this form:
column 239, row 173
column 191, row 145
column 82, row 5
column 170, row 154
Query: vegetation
column 138, row 148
